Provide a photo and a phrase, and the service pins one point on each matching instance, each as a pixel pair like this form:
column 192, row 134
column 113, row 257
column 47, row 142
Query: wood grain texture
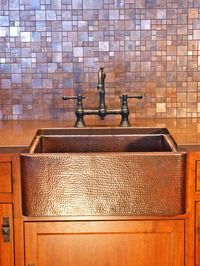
column 118, row 243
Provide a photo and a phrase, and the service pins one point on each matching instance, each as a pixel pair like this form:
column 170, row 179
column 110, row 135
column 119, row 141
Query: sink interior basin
column 108, row 143
column 103, row 171
column 129, row 141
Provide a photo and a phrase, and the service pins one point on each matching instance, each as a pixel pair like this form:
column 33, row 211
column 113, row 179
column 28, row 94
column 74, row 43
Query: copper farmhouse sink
column 103, row 171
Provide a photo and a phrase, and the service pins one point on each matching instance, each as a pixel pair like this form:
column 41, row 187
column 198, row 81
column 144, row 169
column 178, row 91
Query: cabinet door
column 113, row 243
column 198, row 234
column 6, row 235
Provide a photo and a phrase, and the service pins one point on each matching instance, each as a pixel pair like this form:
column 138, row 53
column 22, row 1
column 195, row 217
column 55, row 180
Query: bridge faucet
column 102, row 110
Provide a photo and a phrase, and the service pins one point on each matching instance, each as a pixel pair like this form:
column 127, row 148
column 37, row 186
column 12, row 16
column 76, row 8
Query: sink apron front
column 115, row 183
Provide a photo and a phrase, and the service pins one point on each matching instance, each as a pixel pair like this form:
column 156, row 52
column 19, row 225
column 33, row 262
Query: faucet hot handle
column 79, row 109
column 68, row 97
column 77, row 97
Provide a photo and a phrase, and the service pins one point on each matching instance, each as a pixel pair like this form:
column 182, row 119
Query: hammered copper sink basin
column 103, row 171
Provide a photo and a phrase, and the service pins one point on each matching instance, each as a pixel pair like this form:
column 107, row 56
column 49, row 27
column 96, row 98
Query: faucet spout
column 101, row 79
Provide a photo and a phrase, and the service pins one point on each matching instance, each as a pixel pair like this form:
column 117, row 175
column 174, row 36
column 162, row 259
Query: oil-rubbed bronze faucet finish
column 102, row 110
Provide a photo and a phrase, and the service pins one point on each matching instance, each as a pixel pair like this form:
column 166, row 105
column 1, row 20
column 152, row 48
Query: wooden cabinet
column 6, row 235
column 6, row 213
column 98, row 243
column 11, row 243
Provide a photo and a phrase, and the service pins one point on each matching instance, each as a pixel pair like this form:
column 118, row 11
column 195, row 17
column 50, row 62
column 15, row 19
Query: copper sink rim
column 106, row 131
column 92, row 128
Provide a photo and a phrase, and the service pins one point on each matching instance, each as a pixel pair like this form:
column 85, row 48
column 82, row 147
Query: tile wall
column 53, row 47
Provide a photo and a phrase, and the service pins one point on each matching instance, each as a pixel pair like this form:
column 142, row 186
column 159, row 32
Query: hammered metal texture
column 103, row 184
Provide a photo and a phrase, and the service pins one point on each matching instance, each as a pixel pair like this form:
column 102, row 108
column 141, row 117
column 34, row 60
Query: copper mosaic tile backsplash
column 53, row 47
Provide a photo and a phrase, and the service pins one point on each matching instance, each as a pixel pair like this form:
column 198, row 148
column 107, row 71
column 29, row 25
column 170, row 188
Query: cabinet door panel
column 198, row 234
column 116, row 243
column 5, row 177
column 6, row 248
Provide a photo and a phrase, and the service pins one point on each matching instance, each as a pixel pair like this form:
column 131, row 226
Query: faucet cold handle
column 125, row 98
column 125, row 110
column 134, row 96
